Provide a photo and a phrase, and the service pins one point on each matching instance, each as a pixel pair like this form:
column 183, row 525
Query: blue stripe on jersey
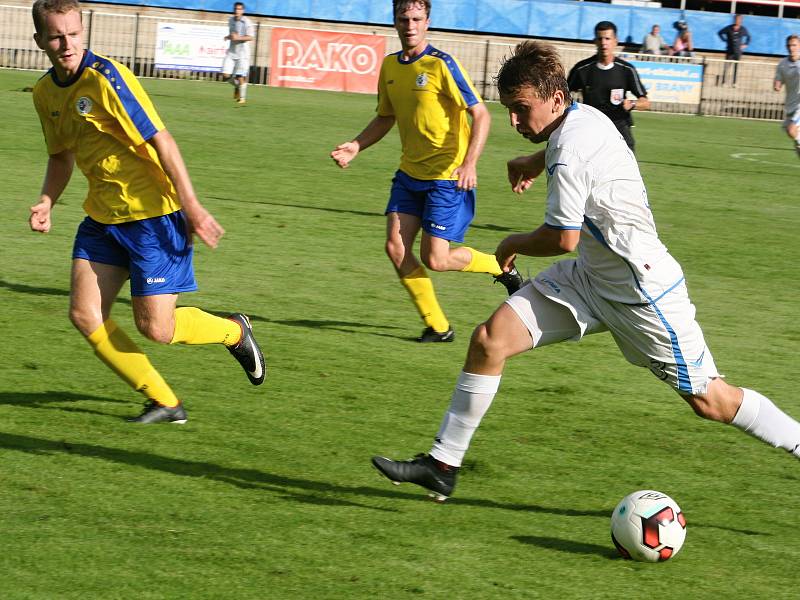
column 684, row 383
column 466, row 92
column 129, row 101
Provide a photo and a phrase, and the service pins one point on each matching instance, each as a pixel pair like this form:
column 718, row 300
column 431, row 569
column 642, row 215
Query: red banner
column 326, row 60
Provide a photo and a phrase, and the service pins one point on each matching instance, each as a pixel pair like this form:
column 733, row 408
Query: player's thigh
column 228, row 64
column 666, row 339
column 502, row 336
column 448, row 210
column 402, row 228
column 94, row 287
column 546, row 321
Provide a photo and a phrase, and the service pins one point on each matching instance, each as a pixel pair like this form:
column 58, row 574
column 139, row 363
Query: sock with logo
column 482, row 263
column 420, row 288
column 759, row 417
column 125, row 358
column 194, row 326
column 471, row 399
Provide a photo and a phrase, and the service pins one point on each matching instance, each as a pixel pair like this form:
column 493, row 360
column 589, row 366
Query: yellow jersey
column 104, row 117
column 428, row 97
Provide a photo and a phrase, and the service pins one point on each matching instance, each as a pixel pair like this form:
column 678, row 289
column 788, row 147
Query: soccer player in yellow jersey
column 429, row 95
column 142, row 212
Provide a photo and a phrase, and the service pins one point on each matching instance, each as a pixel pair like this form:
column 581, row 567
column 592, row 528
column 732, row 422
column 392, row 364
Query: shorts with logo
column 157, row 252
column 662, row 336
column 792, row 118
column 236, row 65
column 445, row 211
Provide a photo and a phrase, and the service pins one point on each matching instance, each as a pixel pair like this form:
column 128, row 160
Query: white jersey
column 594, row 185
column 788, row 73
column 243, row 26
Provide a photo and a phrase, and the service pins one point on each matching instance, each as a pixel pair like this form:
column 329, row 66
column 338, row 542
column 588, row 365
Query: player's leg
column 792, row 127
column 403, row 218
column 748, row 410
column 161, row 268
column 526, row 320
column 229, row 74
column 99, row 269
column 447, row 215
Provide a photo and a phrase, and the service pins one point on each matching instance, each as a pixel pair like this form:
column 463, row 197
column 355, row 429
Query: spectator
column 654, row 42
column 683, row 45
column 736, row 38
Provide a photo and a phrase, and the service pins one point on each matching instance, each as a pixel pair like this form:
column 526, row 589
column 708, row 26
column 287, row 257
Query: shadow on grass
column 291, row 488
column 47, row 401
column 570, row 546
column 358, row 213
column 21, row 288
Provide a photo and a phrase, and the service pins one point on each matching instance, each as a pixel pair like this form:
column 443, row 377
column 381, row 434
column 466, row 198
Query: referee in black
column 604, row 81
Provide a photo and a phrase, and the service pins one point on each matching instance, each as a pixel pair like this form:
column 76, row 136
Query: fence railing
column 729, row 88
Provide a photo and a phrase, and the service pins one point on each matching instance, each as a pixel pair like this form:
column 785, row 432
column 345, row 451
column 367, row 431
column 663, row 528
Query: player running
column 429, row 95
column 788, row 74
column 142, row 212
column 623, row 281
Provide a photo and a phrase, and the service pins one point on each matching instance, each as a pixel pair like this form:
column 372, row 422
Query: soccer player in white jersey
column 236, row 65
column 788, row 74
column 623, row 281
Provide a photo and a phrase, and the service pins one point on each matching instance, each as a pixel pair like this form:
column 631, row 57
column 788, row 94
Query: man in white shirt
column 788, row 74
column 236, row 65
column 623, row 281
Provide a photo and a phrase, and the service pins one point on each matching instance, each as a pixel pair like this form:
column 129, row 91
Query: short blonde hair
column 42, row 8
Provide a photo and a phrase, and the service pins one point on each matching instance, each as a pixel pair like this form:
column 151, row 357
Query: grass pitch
column 268, row 492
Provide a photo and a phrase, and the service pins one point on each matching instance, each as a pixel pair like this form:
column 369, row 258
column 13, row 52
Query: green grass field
column 268, row 492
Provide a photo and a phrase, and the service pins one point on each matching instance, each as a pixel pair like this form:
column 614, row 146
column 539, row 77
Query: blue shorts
column 156, row 252
column 445, row 211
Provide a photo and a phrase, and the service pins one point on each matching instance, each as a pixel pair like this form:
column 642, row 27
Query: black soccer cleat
column 431, row 335
column 158, row 413
column 512, row 280
column 247, row 351
column 424, row 470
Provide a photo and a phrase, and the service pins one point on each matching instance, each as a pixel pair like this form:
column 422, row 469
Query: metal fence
column 131, row 40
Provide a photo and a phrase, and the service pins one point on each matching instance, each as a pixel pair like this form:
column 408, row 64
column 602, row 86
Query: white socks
column 242, row 91
column 759, row 417
column 470, row 401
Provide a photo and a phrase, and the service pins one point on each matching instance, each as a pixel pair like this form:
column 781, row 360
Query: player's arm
column 56, row 178
column 640, row 103
column 467, row 171
column 777, row 85
column 544, row 241
column 198, row 219
column 523, row 171
column 374, row 132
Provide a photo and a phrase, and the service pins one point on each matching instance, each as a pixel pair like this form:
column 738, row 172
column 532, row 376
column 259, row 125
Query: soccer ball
column 648, row 526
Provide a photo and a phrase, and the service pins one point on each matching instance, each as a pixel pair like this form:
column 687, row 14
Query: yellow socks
column 194, row 326
column 420, row 288
column 123, row 356
column 482, row 263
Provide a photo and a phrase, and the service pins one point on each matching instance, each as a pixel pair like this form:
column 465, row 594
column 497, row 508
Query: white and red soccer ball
column 648, row 526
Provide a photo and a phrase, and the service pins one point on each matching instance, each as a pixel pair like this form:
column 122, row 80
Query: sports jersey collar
column 571, row 107
column 88, row 57
column 425, row 52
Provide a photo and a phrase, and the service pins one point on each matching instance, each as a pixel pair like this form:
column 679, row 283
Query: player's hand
column 505, row 254
column 200, row 223
column 40, row 216
column 521, row 173
column 344, row 153
column 467, row 177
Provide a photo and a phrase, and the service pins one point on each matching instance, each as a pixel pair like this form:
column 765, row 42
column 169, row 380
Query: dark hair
column 536, row 65
column 681, row 25
column 235, row 4
column 605, row 26
column 794, row 36
column 41, row 8
column 398, row 5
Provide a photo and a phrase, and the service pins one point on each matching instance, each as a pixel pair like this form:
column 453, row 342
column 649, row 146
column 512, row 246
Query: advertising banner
column 671, row 82
column 187, row 47
column 326, row 60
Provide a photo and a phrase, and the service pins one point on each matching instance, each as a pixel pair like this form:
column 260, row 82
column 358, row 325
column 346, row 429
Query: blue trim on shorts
column 684, row 382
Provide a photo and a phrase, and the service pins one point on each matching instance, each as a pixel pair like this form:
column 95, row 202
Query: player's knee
column 395, row 251
column 712, row 407
column 83, row 320
column 435, row 262
column 484, row 345
column 154, row 331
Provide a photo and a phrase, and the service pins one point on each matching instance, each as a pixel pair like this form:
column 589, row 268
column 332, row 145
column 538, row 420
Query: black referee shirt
column 605, row 88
